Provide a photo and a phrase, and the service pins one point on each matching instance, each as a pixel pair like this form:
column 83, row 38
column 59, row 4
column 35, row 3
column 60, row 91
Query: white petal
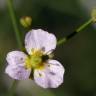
column 51, row 76
column 41, row 78
column 56, row 73
column 40, row 39
column 17, row 72
column 56, row 67
column 16, row 58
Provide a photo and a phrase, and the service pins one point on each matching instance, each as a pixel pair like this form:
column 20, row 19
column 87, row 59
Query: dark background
column 78, row 55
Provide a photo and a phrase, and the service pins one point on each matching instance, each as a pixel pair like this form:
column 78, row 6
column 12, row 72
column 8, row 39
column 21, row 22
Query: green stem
column 18, row 38
column 84, row 25
column 14, row 22
column 63, row 40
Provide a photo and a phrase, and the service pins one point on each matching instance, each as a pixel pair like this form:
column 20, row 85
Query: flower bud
column 26, row 21
column 93, row 15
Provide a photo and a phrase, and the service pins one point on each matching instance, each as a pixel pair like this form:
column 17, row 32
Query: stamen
column 40, row 74
column 48, row 65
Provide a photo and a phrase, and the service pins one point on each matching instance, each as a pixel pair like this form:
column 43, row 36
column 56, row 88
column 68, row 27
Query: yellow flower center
column 34, row 60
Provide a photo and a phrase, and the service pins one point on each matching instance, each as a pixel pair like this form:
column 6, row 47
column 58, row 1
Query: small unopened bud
column 93, row 14
column 26, row 21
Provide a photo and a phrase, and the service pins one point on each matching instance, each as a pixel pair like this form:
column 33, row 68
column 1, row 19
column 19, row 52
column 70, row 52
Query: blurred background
column 78, row 55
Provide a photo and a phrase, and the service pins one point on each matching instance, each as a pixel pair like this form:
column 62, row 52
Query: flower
column 47, row 73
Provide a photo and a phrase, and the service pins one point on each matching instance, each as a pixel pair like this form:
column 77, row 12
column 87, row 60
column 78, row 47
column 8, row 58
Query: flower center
column 34, row 60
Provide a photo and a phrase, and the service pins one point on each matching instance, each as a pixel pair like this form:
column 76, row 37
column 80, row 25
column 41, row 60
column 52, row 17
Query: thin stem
column 84, row 25
column 18, row 38
column 63, row 40
column 14, row 22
